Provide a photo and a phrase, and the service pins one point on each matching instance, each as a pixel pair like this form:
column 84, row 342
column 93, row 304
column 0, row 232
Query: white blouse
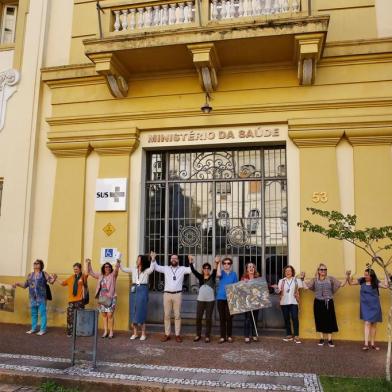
column 138, row 277
column 287, row 288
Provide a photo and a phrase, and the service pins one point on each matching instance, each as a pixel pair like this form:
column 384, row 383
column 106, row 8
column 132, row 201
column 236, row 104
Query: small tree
column 372, row 240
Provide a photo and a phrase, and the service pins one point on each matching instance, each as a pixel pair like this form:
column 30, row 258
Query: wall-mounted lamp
column 206, row 108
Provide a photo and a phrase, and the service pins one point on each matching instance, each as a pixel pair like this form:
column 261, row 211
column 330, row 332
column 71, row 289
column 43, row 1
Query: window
column 8, row 21
column 1, row 191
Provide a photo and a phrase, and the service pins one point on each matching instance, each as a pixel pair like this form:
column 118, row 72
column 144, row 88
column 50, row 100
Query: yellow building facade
column 296, row 99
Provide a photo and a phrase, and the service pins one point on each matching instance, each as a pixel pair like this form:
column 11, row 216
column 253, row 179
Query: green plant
column 52, row 386
column 343, row 384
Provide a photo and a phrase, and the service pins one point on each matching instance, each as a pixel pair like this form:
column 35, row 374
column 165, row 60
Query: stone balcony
column 158, row 36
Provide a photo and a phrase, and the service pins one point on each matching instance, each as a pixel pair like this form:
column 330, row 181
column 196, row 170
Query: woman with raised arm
column 370, row 306
column 38, row 295
column 105, row 292
column 138, row 295
column 206, row 296
column 77, row 285
column 252, row 316
column 324, row 288
column 288, row 288
column 226, row 276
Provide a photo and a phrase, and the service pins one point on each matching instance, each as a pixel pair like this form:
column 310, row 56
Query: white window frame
column 3, row 22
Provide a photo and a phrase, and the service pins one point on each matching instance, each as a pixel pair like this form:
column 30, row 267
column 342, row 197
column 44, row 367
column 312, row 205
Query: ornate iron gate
column 217, row 202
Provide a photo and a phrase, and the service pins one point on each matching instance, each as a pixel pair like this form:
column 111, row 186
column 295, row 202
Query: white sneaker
column 143, row 337
column 133, row 337
column 31, row 331
column 40, row 333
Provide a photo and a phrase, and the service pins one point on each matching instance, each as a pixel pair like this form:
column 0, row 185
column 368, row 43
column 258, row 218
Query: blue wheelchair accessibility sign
column 109, row 255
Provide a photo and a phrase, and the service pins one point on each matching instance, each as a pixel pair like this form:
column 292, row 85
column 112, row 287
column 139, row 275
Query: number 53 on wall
column 320, row 197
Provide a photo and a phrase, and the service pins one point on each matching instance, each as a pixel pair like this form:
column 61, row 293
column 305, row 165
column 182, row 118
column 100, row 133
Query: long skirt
column 324, row 316
column 138, row 303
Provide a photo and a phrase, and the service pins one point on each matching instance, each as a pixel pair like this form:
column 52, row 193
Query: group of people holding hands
column 323, row 285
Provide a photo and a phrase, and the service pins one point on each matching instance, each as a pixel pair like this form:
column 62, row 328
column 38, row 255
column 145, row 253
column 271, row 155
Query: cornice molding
column 262, row 27
column 115, row 147
column 330, row 138
column 69, row 149
column 370, row 135
column 378, row 46
column 228, row 110
column 69, row 144
column 369, row 130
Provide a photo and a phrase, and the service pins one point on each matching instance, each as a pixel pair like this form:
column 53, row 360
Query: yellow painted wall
column 318, row 173
column 345, row 16
column 373, row 190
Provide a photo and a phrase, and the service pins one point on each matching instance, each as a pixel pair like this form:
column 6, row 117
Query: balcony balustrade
column 233, row 9
column 138, row 16
column 144, row 17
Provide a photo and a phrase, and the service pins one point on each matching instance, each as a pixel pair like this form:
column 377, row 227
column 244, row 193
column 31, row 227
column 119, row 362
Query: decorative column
column 372, row 167
column 67, row 227
column 319, row 188
column 111, row 228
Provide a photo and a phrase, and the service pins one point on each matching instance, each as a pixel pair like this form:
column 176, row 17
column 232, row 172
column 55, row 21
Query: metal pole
column 95, row 339
column 74, row 337
column 99, row 10
column 254, row 323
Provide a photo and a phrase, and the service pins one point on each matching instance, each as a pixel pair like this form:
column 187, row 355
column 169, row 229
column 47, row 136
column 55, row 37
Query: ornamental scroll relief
column 8, row 81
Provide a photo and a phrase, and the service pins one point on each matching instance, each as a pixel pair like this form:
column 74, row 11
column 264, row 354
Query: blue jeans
column 35, row 308
column 290, row 313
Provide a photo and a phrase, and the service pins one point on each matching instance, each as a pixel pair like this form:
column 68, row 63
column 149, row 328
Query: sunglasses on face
column 227, row 263
column 206, row 268
column 107, row 266
column 322, row 269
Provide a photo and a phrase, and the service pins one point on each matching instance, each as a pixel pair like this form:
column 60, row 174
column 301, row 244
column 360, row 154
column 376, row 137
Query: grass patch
column 51, row 386
column 343, row 384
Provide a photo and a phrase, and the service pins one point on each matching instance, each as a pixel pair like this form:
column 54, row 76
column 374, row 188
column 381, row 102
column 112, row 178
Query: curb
column 88, row 385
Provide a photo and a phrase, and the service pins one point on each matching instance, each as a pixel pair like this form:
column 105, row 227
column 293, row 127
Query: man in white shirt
column 172, row 296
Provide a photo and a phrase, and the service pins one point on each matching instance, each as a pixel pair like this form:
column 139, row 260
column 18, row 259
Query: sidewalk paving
column 269, row 364
column 16, row 388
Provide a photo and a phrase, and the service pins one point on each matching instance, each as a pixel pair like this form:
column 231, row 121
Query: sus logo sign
column 111, row 194
column 102, row 195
